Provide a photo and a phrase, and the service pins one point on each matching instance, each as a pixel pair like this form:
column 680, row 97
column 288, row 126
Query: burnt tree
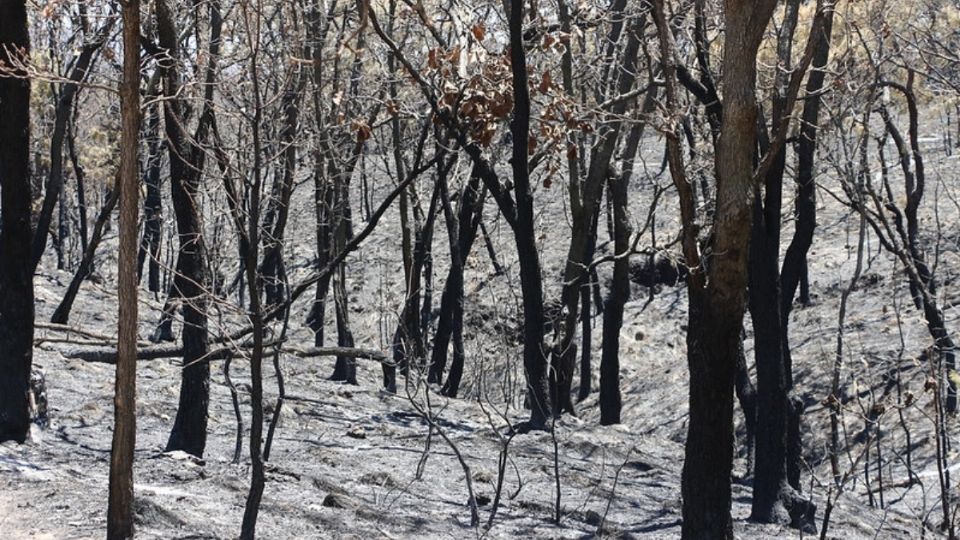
column 187, row 158
column 717, row 286
column 16, row 270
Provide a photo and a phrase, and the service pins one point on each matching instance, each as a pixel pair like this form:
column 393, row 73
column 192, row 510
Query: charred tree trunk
column 610, row 402
column 250, row 245
column 451, row 300
column 16, row 268
column 534, row 354
column 517, row 210
column 794, row 267
column 323, row 203
column 451, row 313
column 152, row 207
column 456, row 270
column 585, row 203
column 322, row 194
column 770, row 479
column 407, row 341
column 717, row 304
column 747, row 396
column 278, row 208
column 770, row 487
column 187, row 159
column 63, row 115
column 345, row 368
column 80, row 176
column 774, row 499
column 62, row 314
column 618, row 190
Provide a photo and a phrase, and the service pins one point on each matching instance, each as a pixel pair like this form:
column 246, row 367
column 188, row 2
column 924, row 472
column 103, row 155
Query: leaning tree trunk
column 62, row 314
column 16, row 270
column 63, row 116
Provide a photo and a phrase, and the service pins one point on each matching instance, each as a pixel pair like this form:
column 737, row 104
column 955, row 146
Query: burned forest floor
column 356, row 462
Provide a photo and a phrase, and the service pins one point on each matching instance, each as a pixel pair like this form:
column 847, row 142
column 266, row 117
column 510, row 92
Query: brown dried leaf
column 363, row 130
column 545, row 82
column 479, row 31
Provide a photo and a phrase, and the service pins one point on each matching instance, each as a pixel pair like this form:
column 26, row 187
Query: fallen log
column 56, row 327
column 108, row 355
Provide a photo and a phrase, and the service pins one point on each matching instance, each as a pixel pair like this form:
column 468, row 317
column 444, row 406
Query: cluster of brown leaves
column 483, row 101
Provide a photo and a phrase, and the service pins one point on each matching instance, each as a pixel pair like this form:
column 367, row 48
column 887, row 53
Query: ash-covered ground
column 354, row 462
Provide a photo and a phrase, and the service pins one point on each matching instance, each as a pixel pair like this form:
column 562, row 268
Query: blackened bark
column 62, row 314
column 63, row 115
column 16, row 270
column 771, row 436
column 451, row 300
column 152, row 206
column 323, row 203
column 585, row 203
column 531, row 281
column 322, row 196
column 408, row 339
column 610, row 402
column 278, row 208
column 747, row 396
column 586, row 340
column 617, row 192
column 345, row 368
column 80, row 176
column 251, row 253
column 774, row 499
column 794, row 266
column 456, row 292
column 921, row 279
column 186, row 159
column 717, row 304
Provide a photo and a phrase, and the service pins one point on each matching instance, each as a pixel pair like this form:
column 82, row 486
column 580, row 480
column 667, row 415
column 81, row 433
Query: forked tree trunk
column 717, row 304
column 774, row 499
column 451, row 300
column 618, row 79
